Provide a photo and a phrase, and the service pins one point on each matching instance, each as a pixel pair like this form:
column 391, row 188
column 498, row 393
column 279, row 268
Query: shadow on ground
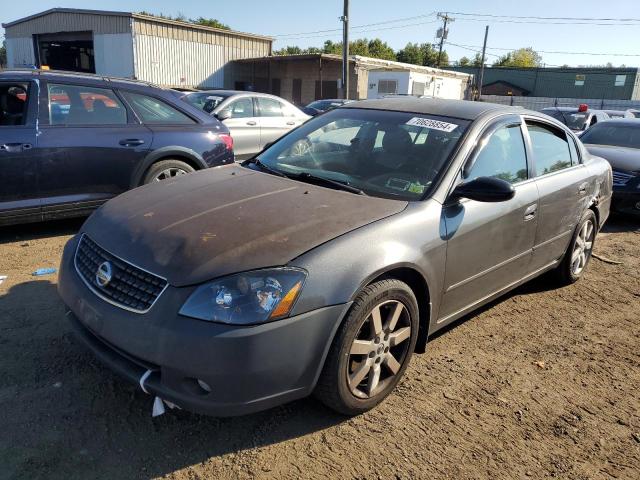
column 33, row 231
column 64, row 415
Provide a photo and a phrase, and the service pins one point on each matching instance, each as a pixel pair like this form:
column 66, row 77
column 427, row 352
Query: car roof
column 571, row 109
column 622, row 121
column 54, row 75
column 462, row 109
column 229, row 93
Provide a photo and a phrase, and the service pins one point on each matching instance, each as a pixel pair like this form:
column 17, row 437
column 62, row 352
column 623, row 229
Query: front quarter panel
column 339, row 269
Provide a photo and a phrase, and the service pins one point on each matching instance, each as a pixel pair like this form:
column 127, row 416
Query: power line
column 564, row 53
column 336, row 34
column 547, row 18
column 489, row 20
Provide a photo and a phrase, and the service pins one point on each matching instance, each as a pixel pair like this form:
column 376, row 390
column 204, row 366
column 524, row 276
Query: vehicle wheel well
column 180, row 158
column 418, row 284
column 596, row 212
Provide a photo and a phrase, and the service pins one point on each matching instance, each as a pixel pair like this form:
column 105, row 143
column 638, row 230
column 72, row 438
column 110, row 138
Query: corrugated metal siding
column 114, row 54
column 236, row 43
column 167, row 61
column 20, row 52
column 70, row 22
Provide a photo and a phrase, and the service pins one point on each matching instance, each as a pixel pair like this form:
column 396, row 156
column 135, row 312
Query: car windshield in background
column 613, row 134
column 384, row 154
column 573, row 120
column 206, row 102
column 324, row 104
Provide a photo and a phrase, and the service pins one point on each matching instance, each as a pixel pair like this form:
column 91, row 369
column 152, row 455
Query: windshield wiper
column 266, row 168
column 309, row 178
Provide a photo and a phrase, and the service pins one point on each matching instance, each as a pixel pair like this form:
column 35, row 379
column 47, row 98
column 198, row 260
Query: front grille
column 621, row 178
column 129, row 287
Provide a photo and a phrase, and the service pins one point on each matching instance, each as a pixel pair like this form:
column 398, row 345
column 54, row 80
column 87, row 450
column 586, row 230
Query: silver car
column 254, row 119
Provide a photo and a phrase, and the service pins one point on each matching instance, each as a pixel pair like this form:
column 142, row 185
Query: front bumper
column 247, row 368
column 626, row 199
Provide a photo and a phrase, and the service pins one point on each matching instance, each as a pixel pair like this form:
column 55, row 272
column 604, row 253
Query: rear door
column 489, row 245
column 244, row 126
column 90, row 145
column 18, row 162
column 276, row 119
column 563, row 184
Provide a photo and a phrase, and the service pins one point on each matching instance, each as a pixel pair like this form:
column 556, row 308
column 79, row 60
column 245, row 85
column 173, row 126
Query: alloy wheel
column 379, row 349
column 582, row 247
column 169, row 173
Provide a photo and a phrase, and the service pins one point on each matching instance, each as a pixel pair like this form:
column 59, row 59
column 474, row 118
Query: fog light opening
column 638, row 206
column 204, row 386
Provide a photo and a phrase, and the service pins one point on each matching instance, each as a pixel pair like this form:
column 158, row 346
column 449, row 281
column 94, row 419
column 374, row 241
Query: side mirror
column 223, row 114
column 485, row 189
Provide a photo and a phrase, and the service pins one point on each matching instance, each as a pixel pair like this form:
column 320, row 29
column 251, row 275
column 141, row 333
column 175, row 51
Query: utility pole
column 443, row 35
column 484, row 52
column 345, row 50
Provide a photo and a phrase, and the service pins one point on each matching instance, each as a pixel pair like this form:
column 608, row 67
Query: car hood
column 226, row 220
column 620, row 158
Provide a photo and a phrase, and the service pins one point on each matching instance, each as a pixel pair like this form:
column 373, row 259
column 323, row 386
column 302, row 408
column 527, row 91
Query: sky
column 293, row 22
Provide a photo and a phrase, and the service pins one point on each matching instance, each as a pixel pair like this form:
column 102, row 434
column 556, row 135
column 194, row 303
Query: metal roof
column 134, row 15
column 435, row 106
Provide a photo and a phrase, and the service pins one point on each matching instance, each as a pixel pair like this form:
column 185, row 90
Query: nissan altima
column 321, row 270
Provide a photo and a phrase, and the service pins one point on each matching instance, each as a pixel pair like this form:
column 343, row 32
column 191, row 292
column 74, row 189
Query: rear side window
column 13, row 103
column 269, row 107
column 79, row 105
column 550, row 148
column 241, row 108
column 502, row 156
column 151, row 110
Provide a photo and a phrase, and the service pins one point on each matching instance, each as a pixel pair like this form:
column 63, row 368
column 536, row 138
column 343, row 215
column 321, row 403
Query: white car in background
column 254, row 119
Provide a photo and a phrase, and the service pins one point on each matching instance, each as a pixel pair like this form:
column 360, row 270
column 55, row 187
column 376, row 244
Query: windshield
column 573, row 120
column 384, row 154
column 613, row 134
column 205, row 101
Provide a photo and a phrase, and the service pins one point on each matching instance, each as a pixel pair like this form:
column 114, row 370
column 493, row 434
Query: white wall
column 440, row 87
column 445, row 87
column 20, row 52
column 168, row 61
column 114, row 54
column 374, row 76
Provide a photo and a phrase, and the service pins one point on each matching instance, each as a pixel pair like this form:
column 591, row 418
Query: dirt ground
column 543, row 383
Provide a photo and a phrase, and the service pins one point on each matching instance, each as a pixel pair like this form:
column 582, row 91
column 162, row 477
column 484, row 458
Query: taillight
column 228, row 141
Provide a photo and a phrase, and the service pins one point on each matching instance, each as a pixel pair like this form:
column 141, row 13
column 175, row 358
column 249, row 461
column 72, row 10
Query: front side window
column 153, row 111
column 385, row 154
column 204, row 101
column 550, row 148
column 503, row 155
column 79, row 105
column 13, row 103
column 270, row 107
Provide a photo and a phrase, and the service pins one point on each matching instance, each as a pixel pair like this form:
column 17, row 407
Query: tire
column 166, row 169
column 342, row 386
column 566, row 273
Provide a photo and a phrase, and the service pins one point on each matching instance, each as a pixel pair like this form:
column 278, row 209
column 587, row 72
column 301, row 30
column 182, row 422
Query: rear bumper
column 247, row 368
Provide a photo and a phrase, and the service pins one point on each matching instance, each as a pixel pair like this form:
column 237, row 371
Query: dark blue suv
column 69, row 142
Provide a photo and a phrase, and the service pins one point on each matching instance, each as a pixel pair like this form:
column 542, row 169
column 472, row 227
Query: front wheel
column 579, row 252
column 371, row 349
column 165, row 170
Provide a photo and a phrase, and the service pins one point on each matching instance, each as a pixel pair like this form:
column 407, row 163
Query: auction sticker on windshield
column 432, row 124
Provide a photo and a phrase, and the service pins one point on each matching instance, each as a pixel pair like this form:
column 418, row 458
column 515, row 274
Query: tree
column 289, row 50
column 411, row 53
column 331, row 47
column 3, row 54
column 358, row 47
column 464, row 62
column 422, row 54
column 380, row 49
column 210, row 22
column 521, row 58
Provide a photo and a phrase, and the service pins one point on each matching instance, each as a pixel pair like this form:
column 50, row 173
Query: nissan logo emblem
column 103, row 274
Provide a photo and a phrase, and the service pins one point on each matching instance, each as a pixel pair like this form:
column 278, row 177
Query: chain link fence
column 538, row 103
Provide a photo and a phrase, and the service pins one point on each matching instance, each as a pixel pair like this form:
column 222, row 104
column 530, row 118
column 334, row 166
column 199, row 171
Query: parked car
column 618, row 141
column 322, row 272
column 254, row 119
column 619, row 113
column 578, row 119
column 69, row 142
column 320, row 106
column 634, row 112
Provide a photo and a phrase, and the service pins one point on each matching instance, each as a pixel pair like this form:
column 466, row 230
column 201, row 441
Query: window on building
column 154, row 111
column 503, row 156
column 620, row 80
column 550, row 148
column 13, row 103
column 580, row 80
column 387, row 86
column 77, row 105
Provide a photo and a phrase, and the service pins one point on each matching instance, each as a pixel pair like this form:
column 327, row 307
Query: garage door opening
column 67, row 51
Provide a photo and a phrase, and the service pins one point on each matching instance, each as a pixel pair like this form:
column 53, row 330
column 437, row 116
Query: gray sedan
column 322, row 270
column 254, row 119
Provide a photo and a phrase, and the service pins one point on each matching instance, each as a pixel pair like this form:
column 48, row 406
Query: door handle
column 15, row 147
column 291, row 123
column 530, row 212
column 582, row 189
column 251, row 123
column 131, row 142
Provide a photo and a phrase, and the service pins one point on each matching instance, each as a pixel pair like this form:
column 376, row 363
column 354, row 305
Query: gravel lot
column 544, row 383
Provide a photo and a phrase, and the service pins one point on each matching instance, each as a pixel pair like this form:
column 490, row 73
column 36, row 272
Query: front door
column 18, row 160
column 244, row 126
column 90, row 146
column 563, row 185
column 489, row 245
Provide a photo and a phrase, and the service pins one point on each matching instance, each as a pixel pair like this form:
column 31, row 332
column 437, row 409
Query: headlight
column 247, row 298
